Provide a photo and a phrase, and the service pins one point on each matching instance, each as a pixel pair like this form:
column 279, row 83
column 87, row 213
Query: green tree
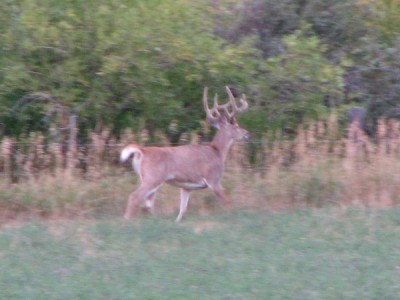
column 117, row 63
column 299, row 84
column 379, row 63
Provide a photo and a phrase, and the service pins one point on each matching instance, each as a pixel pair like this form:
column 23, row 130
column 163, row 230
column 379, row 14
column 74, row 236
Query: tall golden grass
column 317, row 168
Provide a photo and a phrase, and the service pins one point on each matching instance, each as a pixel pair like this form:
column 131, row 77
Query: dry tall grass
column 317, row 168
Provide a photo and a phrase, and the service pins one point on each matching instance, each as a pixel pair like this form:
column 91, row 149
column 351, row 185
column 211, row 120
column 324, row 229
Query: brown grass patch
column 317, row 168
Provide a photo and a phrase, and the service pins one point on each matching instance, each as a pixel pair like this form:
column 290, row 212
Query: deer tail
column 128, row 151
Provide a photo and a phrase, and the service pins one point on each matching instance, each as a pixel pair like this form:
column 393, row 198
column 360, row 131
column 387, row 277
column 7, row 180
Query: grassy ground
column 316, row 254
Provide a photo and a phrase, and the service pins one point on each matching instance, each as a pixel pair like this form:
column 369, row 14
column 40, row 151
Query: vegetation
column 324, row 254
column 116, row 63
column 316, row 169
column 78, row 79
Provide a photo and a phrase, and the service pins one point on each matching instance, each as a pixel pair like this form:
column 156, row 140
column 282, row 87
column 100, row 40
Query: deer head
column 223, row 117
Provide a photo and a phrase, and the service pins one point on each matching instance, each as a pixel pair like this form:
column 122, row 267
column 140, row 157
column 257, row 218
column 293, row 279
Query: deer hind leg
column 149, row 204
column 146, row 191
column 184, row 202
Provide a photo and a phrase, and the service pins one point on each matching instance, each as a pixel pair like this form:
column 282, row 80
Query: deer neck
column 222, row 143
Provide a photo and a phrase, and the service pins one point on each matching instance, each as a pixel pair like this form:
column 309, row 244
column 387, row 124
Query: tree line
column 142, row 64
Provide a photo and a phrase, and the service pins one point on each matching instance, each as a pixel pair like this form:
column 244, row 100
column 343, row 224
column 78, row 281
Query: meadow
column 316, row 217
column 330, row 253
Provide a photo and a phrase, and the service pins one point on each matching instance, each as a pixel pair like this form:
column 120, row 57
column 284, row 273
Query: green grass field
column 315, row 254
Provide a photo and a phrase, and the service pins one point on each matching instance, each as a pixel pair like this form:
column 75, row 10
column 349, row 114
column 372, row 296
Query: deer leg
column 184, row 202
column 219, row 192
column 143, row 192
column 149, row 205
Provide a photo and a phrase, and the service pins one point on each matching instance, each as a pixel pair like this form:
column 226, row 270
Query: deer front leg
column 184, row 202
column 221, row 196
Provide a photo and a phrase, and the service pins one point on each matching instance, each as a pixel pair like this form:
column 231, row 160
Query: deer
column 188, row 167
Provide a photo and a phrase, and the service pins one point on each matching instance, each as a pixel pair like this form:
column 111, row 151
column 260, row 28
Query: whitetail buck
column 189, row 167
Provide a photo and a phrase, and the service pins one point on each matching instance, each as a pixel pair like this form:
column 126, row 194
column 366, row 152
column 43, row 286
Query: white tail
column 127, row 152
column 189, row 167
column 134, row 150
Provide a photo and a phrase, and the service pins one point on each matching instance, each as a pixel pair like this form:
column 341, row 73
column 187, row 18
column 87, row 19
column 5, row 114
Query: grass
column 62, row 235
column 329, row 253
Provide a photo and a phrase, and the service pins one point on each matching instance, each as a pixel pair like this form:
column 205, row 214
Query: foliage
column 300, row 83
column 382, row 73
column 143, row 64
column 116, row 63
column 385, row 18
column 381, row 69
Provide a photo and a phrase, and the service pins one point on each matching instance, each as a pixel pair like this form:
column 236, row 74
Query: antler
column 235, row 109
column 214, row 114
